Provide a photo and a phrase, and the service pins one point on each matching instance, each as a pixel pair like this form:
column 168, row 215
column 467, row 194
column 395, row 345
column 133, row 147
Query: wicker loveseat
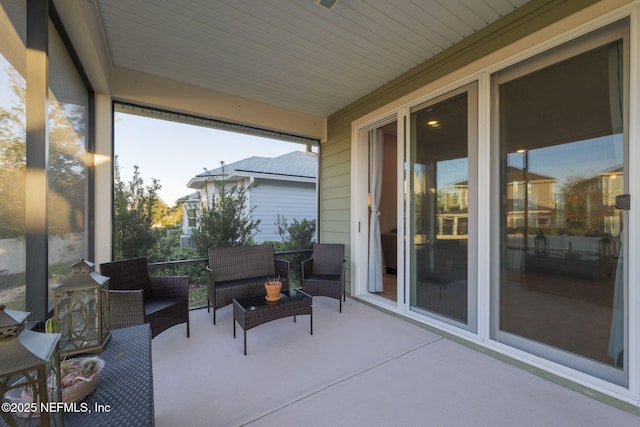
column 241, row 271
column 136, row 298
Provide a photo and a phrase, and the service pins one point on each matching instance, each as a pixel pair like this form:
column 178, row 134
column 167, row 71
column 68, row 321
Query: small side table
column 254, row 311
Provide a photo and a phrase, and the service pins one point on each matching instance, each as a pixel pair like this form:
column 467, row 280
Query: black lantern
column 29, row 373
column 81, row 307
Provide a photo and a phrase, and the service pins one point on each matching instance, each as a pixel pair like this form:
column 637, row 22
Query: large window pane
column 440, row 208
column 562, row 164
column 12, row 153
column 67, row 195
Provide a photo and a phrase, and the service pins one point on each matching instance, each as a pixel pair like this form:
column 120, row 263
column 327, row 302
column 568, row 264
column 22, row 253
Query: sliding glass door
column 443, row 207
column 562, row 178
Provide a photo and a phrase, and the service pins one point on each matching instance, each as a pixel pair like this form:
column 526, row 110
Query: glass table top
column 260, row 302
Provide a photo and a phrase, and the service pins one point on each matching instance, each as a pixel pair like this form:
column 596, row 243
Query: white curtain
column 376, row 145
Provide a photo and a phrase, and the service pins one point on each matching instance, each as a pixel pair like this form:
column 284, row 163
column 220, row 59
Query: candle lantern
column 81, row 307
column 29, row 373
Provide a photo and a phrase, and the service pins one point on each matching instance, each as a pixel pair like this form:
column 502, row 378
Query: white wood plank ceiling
column 290, row 53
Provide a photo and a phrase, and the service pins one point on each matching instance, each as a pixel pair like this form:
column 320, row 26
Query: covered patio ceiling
column 293, row 54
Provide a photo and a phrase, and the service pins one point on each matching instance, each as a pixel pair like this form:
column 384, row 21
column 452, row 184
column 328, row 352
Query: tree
column 134, row 206
column 66, row 172
column 168, row 216
column 583, row 214
column 224, row 218
column 298, row 235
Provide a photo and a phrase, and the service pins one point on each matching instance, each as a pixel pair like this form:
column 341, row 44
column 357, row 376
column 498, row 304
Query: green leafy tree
column 582, row 206
column 298, row 235
column 224, row 218
column 134, row 206
column 13, row 162
column 168, row 216
column 66, row 171
column 295, row 236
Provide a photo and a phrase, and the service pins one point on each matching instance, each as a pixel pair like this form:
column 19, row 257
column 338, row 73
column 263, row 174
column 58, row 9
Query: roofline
column 199, row 181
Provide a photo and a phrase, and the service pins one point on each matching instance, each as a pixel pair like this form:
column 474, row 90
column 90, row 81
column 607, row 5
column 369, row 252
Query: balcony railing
column 196, row 270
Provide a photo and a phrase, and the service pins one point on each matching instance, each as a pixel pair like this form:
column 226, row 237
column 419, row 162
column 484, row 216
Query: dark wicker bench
column 241, row 271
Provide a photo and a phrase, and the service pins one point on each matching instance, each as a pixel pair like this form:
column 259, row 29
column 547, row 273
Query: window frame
column 617, row 30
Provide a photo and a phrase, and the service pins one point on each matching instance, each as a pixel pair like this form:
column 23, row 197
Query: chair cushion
column 154, row 305
column 323, row 277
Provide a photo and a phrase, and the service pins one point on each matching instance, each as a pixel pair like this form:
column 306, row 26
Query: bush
column 296, row 236
column 134, row 206
column 224, row 220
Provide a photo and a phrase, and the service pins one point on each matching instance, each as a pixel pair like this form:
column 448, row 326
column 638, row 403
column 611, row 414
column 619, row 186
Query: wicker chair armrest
column 210, row 280
column 169, row 286
column 282, row 270
column 307, row 267
column 126, row 308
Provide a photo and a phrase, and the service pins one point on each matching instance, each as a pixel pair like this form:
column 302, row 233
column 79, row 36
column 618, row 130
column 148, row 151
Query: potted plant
column 273, row 288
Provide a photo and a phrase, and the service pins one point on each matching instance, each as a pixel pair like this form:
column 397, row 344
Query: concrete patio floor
column 362, row 367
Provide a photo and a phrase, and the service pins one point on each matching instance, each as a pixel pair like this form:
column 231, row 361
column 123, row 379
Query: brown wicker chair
column 323, row 273
column 241, row 271
column 136, row 298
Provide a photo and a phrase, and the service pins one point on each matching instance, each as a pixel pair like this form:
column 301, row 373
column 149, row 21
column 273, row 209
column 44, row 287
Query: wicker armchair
column 136, row 298
column 323, row 273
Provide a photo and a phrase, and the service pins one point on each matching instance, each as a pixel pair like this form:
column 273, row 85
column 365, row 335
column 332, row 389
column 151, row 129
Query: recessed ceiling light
column 433, row 123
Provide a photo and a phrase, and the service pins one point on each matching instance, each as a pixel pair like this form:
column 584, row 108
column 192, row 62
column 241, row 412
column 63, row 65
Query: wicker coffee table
column 254, row 311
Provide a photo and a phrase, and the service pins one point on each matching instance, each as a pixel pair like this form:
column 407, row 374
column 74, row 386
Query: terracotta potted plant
column 273, row 288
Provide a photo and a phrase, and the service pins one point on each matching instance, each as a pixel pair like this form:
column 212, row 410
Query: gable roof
column 294, row 166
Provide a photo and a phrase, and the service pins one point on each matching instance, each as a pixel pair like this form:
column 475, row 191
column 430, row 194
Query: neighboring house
column 190, row 205
column 283, row 185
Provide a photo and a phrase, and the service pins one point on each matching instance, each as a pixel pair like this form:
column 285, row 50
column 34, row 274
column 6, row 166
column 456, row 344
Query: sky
column 174, row 152
column 585, row 158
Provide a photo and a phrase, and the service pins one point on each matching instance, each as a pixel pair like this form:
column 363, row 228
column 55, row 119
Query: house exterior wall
column 335, row 155
column 529, row 25
column 293, row 200
column 334, row 176
column 533, row 29
column 268, row 198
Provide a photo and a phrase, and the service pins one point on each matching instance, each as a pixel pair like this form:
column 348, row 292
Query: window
column 12, row 154
column 192, row 217
column 68, row 110
column 561, row 138
column 443, row 144
column 56, row 142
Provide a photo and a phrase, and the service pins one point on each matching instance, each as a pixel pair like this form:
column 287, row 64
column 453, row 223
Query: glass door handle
column 623, row 201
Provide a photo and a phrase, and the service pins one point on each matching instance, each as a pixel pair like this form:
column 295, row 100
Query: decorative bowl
column 82, row 386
